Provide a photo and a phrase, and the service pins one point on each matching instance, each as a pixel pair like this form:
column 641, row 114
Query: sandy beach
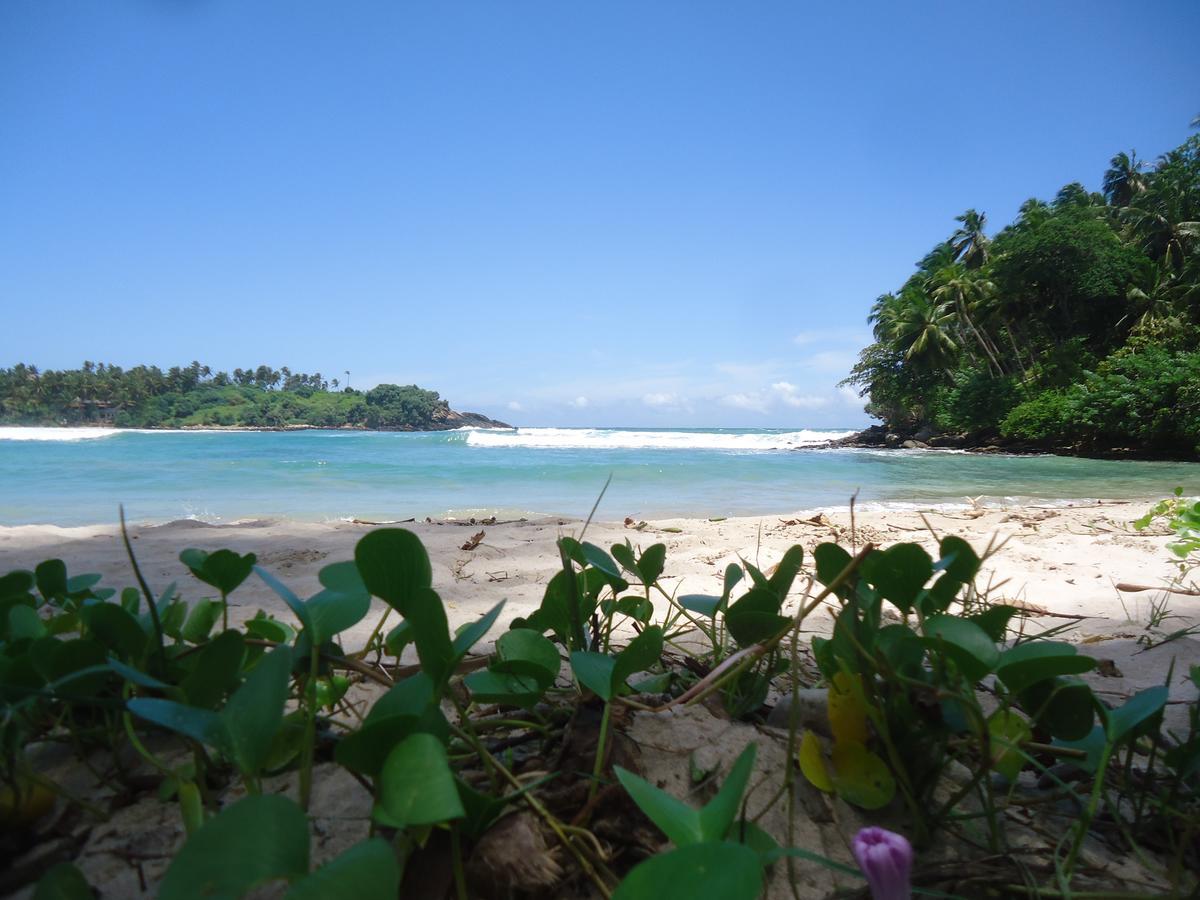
column 1062, row 563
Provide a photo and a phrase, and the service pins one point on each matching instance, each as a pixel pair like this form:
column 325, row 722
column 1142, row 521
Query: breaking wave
column 614, row 439
column 22, row 433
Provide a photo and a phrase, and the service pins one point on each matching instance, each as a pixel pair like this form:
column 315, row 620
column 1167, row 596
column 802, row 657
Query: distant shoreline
column 494, row 426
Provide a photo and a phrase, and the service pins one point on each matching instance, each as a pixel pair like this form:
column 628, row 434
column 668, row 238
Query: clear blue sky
column 641, row 213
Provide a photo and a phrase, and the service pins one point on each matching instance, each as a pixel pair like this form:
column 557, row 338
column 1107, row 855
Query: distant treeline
column 1078, row 325
column 195, row 395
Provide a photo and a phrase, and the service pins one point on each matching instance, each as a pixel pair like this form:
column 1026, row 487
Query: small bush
column 1047, row 417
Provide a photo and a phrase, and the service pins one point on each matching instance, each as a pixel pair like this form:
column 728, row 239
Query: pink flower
column 886, row 859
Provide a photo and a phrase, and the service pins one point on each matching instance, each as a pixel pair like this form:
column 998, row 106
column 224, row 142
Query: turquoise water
column 78, row 476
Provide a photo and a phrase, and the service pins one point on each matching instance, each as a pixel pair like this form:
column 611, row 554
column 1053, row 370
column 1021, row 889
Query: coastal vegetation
column 1076, row 327
column 197, row 396
column 928, row 710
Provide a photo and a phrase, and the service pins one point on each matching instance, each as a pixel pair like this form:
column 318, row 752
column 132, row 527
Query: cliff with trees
column 197, row 396
column 1076, row 327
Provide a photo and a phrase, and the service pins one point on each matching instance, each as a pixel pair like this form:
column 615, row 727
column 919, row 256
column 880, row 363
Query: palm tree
column 923, row 330
column 1032, row 212
column 883, row 317
column 1124, row 179
column 1076, row 195
column 969, row 243
column 965, row 291
column 1163, row 240
column 1169, row 294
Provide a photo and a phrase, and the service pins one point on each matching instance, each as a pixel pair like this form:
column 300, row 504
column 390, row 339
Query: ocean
column 79, row 476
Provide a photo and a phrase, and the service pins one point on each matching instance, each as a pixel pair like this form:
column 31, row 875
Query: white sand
column 1064, row 560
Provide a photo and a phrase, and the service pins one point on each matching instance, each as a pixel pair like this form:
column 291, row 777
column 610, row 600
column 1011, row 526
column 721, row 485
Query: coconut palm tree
column 969, row 243
column 1164, row 240
column 1032, row 213
column 885, row 312
column 1124, row 179
column 923, row 329
column 1169, row 295
column 964, row 292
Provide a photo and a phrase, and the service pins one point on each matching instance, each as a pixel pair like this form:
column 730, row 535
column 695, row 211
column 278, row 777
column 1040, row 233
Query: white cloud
column 579, row 402
column 787, row 392
column 837, row 361
column 660, row 399
column 755, row 371
column 755, row 402
column 515, row 406
column 851, row 397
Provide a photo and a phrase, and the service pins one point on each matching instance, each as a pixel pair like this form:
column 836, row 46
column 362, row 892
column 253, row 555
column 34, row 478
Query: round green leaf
column 594, row 671
column 394, row 566
column 830, row 561
column 507, row 688
column 1063, row 706
column 216, row 671
column 367, row 871
column 222, row 569
column 1034, row 661
column 51, row 577
column 899, row 573
column 860, row 777
column 641, row 653
column 524, row 645
column 416, row 786
column 709, row 871
column 1138, row 709
column 959, row 560
column 255, row 840
column 650, row 563
column 24, row 623
column 965, row 642
column 1007, row 730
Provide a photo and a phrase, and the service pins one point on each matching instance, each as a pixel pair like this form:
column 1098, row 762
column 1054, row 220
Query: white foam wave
column 612, row 439
column 89, row 433
column 24, row 433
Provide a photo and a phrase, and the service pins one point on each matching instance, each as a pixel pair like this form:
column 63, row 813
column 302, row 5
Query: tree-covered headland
column 196, row 396
column 1076, row 327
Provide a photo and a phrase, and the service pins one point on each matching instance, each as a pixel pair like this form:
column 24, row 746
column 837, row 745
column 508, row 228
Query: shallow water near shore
column 78, row 476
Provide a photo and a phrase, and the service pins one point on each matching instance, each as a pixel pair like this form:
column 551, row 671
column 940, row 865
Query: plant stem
column 374, row 634
column 310, row 726
column 598, row 766
column 137, row 573
column 576, row 621
column 467, row 733
column 460, row 879
column 1085, row 821
column 554, row 824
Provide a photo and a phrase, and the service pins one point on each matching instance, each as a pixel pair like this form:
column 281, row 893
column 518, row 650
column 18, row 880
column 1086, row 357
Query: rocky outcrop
column 880, row 437
column 925, row 438
column 445, row 419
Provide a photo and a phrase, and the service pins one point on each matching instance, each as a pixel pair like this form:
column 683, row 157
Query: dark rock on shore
column 926, row 438
column 445, row 419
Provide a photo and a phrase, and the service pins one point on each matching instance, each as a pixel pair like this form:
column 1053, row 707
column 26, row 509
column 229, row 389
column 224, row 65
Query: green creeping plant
column 270, row 697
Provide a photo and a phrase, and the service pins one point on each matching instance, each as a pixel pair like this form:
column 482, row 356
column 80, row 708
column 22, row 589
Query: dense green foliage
column 147, row 397
column 168, row 696
column 1078, row 325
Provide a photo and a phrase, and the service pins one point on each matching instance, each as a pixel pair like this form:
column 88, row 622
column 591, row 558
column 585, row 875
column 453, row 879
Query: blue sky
column 617, row 213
